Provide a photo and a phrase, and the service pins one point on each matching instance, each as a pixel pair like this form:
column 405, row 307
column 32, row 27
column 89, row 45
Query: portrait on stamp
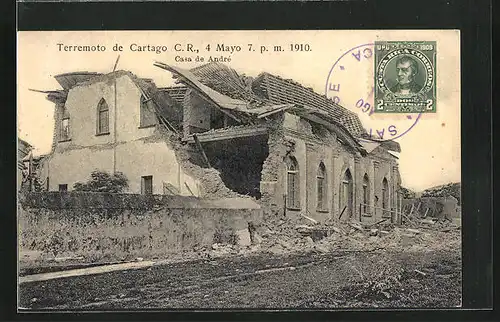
column 406, row 72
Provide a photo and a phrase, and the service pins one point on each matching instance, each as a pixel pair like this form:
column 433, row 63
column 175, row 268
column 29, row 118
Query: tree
column 450, row 189
column 101, row 181
column 407, row 193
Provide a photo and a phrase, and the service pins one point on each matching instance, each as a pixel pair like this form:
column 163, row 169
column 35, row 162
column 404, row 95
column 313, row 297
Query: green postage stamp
column 405, row 76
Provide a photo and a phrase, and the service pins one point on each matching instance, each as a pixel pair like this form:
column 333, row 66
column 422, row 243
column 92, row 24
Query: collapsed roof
column 272, row 89
column 243, row 97
column 267, row 94
column 256, row 107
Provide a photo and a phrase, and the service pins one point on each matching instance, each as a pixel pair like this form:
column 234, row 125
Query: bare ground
column 309, row 280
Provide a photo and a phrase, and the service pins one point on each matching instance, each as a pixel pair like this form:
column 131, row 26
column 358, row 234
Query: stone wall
column 107, row 227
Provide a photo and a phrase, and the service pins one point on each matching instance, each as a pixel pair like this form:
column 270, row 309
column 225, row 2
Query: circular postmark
column 351, row 84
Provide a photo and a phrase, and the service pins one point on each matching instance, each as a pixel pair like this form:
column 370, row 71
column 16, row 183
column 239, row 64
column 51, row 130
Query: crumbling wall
column 240, row 162
column 279, row 148
column 196, row 113
column 211, row 184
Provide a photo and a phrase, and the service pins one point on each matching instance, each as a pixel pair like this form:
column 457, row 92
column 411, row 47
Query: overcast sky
column 430, row 151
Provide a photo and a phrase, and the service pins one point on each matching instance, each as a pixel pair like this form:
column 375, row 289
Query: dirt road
column 329, row 280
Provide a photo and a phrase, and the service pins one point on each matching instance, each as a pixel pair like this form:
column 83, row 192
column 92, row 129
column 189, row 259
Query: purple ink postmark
column 350, row 84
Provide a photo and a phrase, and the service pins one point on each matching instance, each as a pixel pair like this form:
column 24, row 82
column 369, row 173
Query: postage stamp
column 405, row 76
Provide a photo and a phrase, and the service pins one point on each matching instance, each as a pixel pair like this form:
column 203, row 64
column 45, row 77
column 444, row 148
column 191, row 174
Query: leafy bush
column 225, row 236
column 451, row 189
column 101, row 181
column 407, row 193
column 387, row 283
column 31, row 183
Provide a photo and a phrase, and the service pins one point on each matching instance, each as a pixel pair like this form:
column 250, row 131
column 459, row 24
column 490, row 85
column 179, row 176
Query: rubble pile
column 282, row 236
column 211, row 183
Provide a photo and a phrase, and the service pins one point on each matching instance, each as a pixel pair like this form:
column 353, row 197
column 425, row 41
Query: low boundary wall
column 106, row 227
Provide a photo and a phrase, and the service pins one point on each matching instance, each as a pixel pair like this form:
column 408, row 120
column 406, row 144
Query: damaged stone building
column 110, row 123
column 218, row 133
column 23, row 150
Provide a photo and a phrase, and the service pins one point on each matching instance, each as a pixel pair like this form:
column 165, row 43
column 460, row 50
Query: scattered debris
column 420, row 272
column 304, row 229
column 308, row 240
column 282, row 235
column 244, row 237
column 379, row 222
column 310, row 219
column 428, row 221
column 356, row 226
column 337, row 230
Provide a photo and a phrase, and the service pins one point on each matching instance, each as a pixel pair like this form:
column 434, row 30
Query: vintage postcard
column 239, row 169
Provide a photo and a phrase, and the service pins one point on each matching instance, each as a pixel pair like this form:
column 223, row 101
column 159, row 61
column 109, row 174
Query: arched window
column 346, row 195
column 64, row 134
column 321, row 184
column 293, row 191
column 102, row 117
column 366, row 194
column 385, row 195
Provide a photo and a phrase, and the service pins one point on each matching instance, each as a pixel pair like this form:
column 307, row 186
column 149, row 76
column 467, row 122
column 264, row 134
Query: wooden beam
column 40, row 91
column 379, row 222
column 156, row 109
column 342, row 212
column 276, row 110
column 198, row 145
column 229, row 133
column 116, row 63
column 412, row 207
column 189, row 189
column 418, row 207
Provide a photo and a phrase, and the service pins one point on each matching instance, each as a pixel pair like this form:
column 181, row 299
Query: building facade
column 308, row 155
column 268, row 138
column 107, row 123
